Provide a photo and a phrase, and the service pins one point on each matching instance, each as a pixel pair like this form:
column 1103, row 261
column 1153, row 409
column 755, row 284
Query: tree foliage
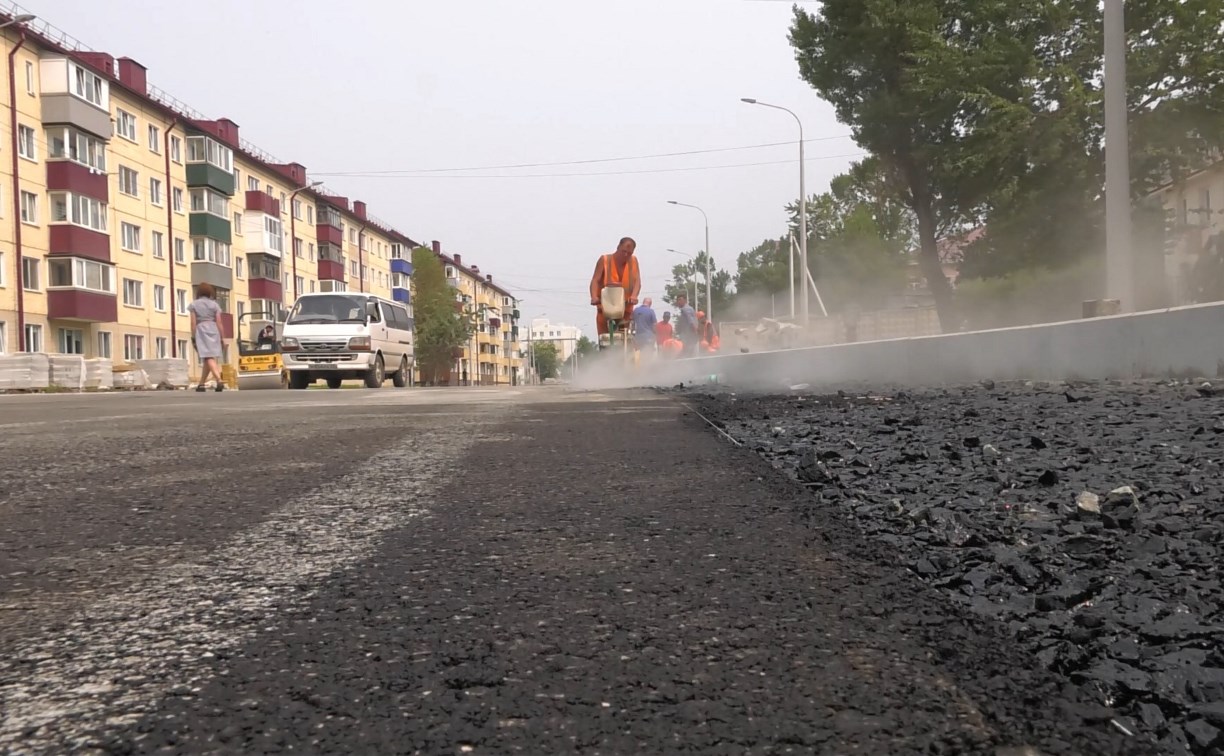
column 683, row 280
column 546, row 359
column 440, row 328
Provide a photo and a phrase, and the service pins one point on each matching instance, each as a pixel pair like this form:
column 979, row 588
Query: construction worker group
column 689, row 334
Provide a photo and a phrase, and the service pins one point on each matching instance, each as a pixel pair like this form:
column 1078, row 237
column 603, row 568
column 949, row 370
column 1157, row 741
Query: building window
column 71, row 341
column 182, row 348
column 33, row 338
column 29, row 77
column 274, row 234
column 125, row 124
column 208, row 201
column 310, row 251
column 309, row 214
column 77, row 146
column 155, row 194
column 104, row 345
column 133, row 347
column 299, row 284
column 129, row 181
column 176, row 149
column 160, row 347
column 78, row 273
column 154, row 139
column 298, row 248
column 238, row 224
column 31, row 278
column 210, row 250
column 133, row 292
column 237, row 176
column 180, row 301
column 177, row 199
column 201, row 149
column 159, row 245
column 3, row 268
column 78, row 210
column 240, row 266
column 3, row 337
column 88, row 86
column 180, row 251
column 25, row 143
column 159, row 297
column 312, row 287
column 252, row 184
column 129, row 237
column 297, row 209
column 29, row 207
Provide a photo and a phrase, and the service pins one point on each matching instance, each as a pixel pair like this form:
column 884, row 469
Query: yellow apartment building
column 121, row 201
column 493, row 356
column 1194, row 206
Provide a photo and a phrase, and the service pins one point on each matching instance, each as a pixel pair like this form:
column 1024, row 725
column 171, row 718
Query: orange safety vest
column 627, row 277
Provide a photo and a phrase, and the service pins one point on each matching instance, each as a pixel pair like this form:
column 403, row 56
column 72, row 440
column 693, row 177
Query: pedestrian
column 206, row 333
column 644, row 323
column 686, row 327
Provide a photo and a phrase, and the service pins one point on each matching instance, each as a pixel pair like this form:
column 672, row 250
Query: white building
column 564, row 337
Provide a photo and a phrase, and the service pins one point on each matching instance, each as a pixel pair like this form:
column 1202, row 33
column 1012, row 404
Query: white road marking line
column 111, row 663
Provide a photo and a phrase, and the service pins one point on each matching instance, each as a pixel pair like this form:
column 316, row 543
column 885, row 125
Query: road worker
column 617, row 268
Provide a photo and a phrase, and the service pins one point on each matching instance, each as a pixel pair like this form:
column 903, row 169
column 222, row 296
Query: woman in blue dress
column 206, row 333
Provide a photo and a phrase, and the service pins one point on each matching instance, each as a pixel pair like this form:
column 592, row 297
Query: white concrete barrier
column 1178, row 342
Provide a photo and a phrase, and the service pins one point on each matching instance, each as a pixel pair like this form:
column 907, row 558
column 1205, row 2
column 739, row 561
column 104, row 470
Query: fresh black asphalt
column 522, row 573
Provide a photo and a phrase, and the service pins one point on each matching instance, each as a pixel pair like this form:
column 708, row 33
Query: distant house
column 951, row 255
column 1194, row 207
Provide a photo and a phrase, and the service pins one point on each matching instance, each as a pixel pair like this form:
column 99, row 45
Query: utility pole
column 1119, row 265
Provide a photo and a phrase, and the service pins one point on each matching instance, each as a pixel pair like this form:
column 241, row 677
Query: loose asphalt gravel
column 433, row 571
column 1085, row 523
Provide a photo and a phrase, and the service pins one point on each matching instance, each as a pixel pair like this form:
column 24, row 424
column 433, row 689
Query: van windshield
column 329, row 308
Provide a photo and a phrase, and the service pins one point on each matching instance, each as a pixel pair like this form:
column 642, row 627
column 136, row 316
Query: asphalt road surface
column 465, row 571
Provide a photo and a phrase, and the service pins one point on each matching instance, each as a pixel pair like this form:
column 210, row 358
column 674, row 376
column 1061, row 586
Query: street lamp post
column 693, row 266
column 293, row 233
column 803, row 229
column 1119, row 269
column 709, row 310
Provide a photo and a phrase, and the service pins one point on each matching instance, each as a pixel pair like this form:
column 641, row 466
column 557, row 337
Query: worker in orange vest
column 709, row 334
column 618, row 268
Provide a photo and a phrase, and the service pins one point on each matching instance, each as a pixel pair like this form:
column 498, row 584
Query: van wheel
column 375, row 376
column 400, row 379
column 299, row 380
column 334, row 383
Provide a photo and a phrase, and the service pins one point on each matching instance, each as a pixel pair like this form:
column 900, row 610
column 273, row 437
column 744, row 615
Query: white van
column 342, row 335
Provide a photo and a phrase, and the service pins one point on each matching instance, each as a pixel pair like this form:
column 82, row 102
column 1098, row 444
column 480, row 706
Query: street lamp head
column 313, row 184
column 23, row 18
column 748, row 100
column 672, row 202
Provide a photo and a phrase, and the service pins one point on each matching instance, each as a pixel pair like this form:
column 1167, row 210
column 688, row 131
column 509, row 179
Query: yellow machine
column 260, row 365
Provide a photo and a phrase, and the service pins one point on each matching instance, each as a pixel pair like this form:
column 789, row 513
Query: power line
column 578, row 162
column 603, row 173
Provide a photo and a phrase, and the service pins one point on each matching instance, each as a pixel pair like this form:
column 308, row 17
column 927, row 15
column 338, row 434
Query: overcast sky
column 362, row 87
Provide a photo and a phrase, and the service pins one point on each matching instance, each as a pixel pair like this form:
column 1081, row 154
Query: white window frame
column 274, row 234
column 155, row 191
column 180, row 251
column 105, row 345
column 79, row 210
column 161, row 347
column 180, row 301
column 136, row 293
column 176, row 149
column 159, row 297
column 25, row 277
column 129, row 182
column 77, row 147
column 204, row 200
column 154, row 139
column 130, row 237
column 61, row 333
column 237, row 224
column 33, row 338
column 81, row 268
column 88, row 86
column 157, row 244
column 207, row 249
column 203, row 149
column 29, row 208
column 176, row 197
column 27, row 143
column 133, row 347
column 125, row 124
column 30, row 78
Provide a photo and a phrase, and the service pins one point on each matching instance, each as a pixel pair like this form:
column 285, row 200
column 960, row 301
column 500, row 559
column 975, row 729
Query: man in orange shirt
column 618, row 268
column 664, row 331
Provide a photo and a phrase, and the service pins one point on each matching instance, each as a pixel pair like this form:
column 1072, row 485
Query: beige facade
column 494, row 355
column 1194, row 207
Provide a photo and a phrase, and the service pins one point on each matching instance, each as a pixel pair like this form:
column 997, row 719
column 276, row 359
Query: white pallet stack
column 172, row 372
column 24, row 372
column 98, row 374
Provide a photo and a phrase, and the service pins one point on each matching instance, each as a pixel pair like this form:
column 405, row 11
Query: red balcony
column 262, row 202
column 330, row 270
column 226, row 321
column 262, row 288
column 81, row 305
column 67, row 176
column 328, row 234
column 80, row 242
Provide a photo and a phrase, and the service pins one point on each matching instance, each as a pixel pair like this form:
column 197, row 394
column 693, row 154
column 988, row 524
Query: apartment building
column 123, row 201
column 494, row 355
column 1194, row 208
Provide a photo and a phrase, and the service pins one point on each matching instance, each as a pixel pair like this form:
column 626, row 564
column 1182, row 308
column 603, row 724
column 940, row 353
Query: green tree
column 546, row 359
column 440, row 327
column 683, row 280
column 584, row 346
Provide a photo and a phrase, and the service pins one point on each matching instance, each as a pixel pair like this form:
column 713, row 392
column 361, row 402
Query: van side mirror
column 371, row 310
